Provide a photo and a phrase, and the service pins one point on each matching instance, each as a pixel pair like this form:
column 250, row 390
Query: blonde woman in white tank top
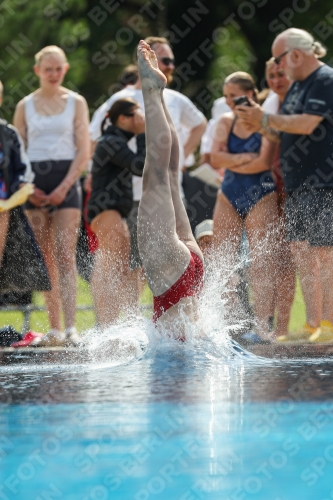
column 53, row 122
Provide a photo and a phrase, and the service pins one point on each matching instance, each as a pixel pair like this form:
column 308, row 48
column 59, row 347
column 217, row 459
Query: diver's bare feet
column 151, row 76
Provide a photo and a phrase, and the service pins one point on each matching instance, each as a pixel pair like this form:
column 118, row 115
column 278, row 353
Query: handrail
column 29, row 308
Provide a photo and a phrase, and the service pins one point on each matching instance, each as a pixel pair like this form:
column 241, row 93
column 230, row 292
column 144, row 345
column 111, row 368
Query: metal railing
column 30, row 308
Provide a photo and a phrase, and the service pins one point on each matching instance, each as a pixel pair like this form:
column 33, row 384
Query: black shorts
column 132, row 222
column 98, row 206
column 48, row 175
column 309, row 217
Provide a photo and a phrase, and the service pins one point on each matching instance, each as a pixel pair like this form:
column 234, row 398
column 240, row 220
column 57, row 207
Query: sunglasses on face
column 167, row 61
column 277, row 59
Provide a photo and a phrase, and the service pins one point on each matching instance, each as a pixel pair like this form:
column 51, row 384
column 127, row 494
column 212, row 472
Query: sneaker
column 302, row 335
column 72, row 337
column 252, row 338
column 324, row 334
column 54, row 338
column 30, row 338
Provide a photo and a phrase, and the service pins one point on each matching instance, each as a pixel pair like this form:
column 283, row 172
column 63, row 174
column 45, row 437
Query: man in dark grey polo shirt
column 304, row 128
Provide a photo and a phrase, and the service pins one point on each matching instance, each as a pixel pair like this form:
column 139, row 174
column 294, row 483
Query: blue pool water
column 183, row 422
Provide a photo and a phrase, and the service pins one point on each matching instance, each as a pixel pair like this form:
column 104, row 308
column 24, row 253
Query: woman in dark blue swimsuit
column 248, row 198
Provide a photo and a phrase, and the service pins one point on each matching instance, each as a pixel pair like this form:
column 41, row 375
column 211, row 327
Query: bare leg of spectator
column 228, row 225
column 111, row 269
column 141, row 280
column 285, row 283
column 4, row 220
column 261, row 224
column 228, row 229
column 309, row 274
column 66, row 224
column 325, row 256
column 42, row 227
column 134, row 289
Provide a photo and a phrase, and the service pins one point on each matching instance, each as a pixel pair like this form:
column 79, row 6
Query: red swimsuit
column 188, row 285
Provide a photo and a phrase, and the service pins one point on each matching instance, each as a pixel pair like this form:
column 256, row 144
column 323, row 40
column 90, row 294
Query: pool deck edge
column 72, row 355
column 292, row 350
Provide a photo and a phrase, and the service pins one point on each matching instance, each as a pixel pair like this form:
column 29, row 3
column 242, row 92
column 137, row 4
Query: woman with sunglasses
column 247, row 200
column 279, row 83
column 110, row 203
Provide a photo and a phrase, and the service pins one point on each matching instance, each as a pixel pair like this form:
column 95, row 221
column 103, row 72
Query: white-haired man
column 304, row 128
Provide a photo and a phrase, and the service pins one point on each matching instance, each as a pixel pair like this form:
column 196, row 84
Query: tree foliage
column 210, row 39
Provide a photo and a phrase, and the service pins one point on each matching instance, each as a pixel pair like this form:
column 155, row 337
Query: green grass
column 297, row 317
column 86, row 319
column 39, row 320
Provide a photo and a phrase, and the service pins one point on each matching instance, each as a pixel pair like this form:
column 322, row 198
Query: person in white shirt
column 219, row 108
column 183, row 113
column 53, row 122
